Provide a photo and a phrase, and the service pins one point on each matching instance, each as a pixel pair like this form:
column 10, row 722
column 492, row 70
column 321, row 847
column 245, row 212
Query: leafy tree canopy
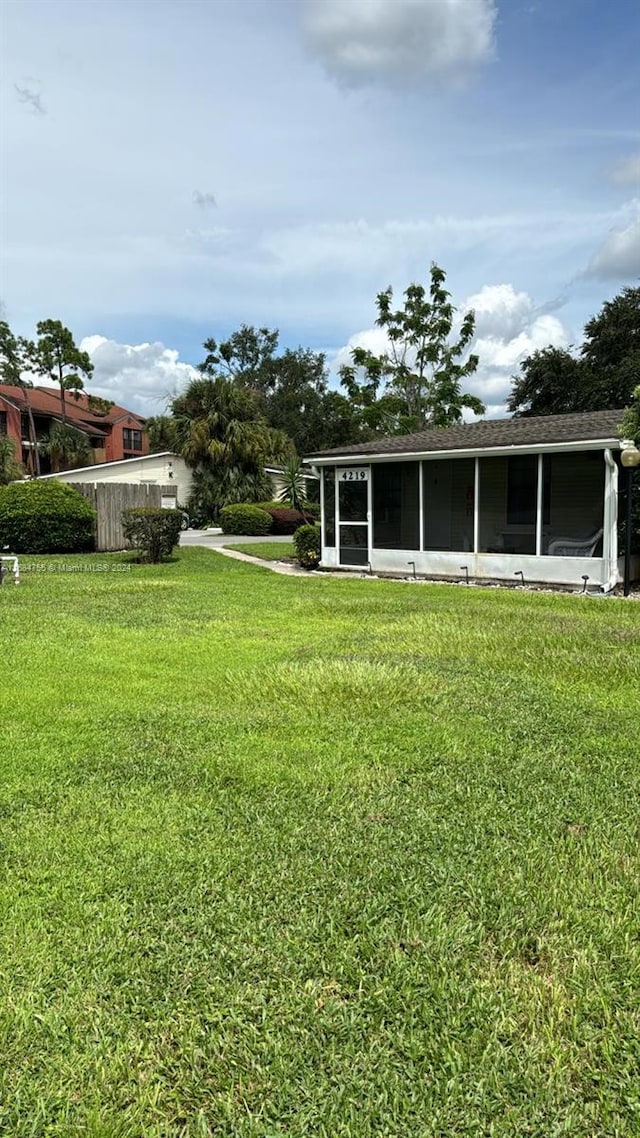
column 56, row 357
column 290, row 387
column 603, row 376
column 418, row 381
column 630, row 425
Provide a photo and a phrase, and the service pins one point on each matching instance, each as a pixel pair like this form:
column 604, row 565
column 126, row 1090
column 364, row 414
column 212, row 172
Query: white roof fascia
column 469, row 452
column 115, row 462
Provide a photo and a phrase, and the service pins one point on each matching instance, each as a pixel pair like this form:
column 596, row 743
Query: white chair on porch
column 575, row 547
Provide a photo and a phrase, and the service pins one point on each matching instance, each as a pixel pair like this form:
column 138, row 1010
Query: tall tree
column 56, row 357
column 611, row 350
column 161, row 430
column 15, row 355
column 245, row 358
column 601, row 378
column 417, row 382
column 290, row 387
column 220, row 433
column 552, row 382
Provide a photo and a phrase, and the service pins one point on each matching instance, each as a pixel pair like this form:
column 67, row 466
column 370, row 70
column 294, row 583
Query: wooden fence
column 109, row 499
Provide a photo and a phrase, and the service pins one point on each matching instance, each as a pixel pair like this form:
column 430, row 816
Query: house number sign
column 353, row 474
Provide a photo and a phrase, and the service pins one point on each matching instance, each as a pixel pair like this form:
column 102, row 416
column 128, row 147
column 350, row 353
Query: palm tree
column 220, row 433
column 10, row 470
column 294, row 484
column 66, row 447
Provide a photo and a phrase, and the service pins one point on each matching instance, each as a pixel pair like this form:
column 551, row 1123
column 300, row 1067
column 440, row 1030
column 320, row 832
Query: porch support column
column 421, row 505
column 610, row 514
column 322, row 528
column 336, row 493
column 540, row 491
column 476, row 507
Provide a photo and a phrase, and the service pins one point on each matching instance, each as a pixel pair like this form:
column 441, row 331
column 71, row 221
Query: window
column 3, row 422
column 131, row 439
column 396, row 505
column 522, row 490
column 329, row 491
column 449, row 489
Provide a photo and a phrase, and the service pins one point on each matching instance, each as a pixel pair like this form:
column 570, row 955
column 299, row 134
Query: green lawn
column 266, row 550
column 315, row 857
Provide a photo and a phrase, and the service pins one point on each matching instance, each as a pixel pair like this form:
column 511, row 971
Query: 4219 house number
column 354, row 474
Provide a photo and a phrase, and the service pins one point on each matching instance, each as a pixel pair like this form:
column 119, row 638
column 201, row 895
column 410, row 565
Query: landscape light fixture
column 630, row 458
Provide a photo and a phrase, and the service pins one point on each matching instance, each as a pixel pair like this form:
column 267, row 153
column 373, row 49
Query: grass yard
column 315, row 857
column 267, row 550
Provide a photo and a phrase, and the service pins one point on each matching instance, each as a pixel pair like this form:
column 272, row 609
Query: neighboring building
column 532, row 498
column 164, row 469
column 113, row 434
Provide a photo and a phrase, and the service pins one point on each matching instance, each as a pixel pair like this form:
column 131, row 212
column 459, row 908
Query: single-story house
column 164, row 469
column 504, row 499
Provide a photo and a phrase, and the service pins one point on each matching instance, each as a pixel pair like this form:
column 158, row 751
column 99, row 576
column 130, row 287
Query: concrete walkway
column 215, row 539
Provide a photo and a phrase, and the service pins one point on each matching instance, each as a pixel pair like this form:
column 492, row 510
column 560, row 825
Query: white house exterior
column 533, row 499
column 164, row 469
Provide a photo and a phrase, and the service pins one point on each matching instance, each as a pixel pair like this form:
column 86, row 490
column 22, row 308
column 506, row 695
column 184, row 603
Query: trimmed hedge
column 248, row 520
column 45, row 517
column 306, row 541
column 153, row 531
column 286, row 520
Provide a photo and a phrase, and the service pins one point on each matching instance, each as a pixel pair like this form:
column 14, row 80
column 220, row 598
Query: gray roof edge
column 417, row 444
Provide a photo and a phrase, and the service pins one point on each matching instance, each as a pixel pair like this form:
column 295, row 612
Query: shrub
column 246, row 519
column 313, row 509
column 310, row 510
column 307, row 546
column 45, row 517
column 152, row 530
column 287, row 520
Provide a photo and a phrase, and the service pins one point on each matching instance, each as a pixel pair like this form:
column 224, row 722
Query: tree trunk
column 35, row 454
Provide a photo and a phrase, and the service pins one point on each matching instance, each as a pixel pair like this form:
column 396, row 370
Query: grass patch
column 267, row 550
column 311, row 856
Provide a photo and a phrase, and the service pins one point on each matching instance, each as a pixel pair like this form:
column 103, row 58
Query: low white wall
column 483, row 566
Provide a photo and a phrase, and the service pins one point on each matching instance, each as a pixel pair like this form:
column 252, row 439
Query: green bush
column 306, row 541
column 45, row 517
column 246, row 519
column 274, row 505
column 154, row 532
column 312, row 508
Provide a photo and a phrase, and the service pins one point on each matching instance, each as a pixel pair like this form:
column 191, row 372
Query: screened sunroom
column 534, row 499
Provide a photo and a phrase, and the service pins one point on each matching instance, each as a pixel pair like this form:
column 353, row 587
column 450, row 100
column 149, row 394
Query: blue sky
column 171, row 170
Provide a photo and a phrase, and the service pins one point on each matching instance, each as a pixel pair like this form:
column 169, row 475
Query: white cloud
column 500, row 310
column 627, row 172
column 364, row 41
column 140, row 377
column 508, row 329
column 618, row 258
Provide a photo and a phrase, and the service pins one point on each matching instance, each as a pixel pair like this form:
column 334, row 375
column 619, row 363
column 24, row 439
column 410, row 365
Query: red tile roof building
column 113, row 434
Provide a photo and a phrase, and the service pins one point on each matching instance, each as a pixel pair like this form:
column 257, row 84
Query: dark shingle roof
column 587, row 426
